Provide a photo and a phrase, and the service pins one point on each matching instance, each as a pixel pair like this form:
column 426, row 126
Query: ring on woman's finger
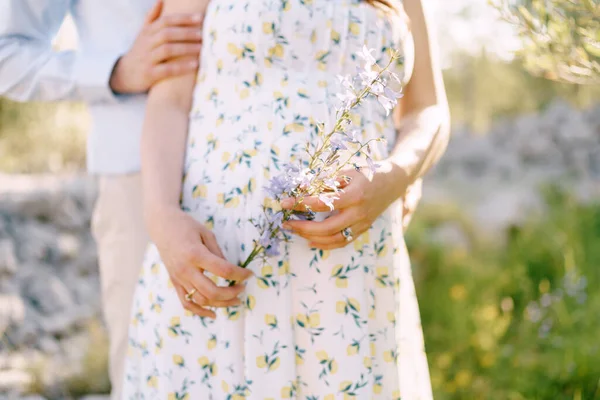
column 347, row 234
column 189, row 295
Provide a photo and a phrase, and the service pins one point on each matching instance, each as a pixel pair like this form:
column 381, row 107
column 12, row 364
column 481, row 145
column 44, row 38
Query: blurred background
column 505, row 244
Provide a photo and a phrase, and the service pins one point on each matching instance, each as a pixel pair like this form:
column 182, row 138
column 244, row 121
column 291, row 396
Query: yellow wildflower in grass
column 458, row 292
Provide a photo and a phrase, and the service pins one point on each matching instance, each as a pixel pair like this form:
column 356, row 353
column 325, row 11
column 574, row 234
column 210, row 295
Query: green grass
column 517, row 318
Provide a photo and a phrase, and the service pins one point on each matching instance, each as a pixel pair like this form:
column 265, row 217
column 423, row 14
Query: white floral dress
column 314, row 325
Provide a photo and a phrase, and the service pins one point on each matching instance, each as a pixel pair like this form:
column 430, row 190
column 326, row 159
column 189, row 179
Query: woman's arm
column 186, row 246
column 422, row 138
column 423, row 111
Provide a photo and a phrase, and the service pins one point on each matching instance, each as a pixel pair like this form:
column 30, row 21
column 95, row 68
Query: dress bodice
column 298, row 37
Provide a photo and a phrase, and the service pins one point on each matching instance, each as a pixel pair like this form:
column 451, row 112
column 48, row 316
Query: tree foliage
column 561, row 37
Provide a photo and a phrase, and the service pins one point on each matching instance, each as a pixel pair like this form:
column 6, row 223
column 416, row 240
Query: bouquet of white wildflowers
column 335, row 150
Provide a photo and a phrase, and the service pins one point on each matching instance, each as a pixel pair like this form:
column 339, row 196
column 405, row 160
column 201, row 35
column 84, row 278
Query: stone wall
column 48, row 271
column 496, row 178
column 48, row 277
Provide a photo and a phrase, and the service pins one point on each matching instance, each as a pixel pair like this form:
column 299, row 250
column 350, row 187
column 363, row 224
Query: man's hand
column 166, row 46
column 187, row 249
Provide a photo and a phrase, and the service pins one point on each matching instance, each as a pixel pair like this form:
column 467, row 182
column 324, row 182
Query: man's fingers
column 181, row 20
column 173, row 68
column 169, row 51
column 209, row 290
column 328, row 227
column 154, row 12
column 190, row 306
column 177, row 35
column 223, row 268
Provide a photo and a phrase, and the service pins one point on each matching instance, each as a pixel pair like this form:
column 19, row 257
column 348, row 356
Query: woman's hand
column 360, row 202
column 187, row 249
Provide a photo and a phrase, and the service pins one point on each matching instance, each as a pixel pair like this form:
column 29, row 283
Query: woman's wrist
column 156, row 215
column 393, row 181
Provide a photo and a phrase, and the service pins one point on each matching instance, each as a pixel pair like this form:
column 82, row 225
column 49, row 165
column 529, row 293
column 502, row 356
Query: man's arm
column 30, row 69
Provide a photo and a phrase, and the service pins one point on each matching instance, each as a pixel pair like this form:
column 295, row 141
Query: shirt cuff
column 92, row 76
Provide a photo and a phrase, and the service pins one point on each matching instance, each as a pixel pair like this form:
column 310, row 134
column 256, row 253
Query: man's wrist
column 115, row 83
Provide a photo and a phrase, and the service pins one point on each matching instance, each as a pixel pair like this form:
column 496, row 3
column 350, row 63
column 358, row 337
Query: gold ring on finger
column 188, row 295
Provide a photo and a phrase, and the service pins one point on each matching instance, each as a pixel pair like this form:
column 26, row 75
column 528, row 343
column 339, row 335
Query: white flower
column 366, row 55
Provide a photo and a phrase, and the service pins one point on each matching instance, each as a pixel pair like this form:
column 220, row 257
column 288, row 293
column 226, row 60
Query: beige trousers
column 121, row 238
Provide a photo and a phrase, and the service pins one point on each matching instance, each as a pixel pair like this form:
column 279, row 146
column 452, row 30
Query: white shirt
column 31, row 70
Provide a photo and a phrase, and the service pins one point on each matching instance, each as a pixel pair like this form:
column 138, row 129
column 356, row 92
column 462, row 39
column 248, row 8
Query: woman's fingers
column 328, row 227
column 214, row 295
column 199, row 299
column 210, row 241
column 337, row 240
column 350, row 194
column 207, row 260
column 191, row 306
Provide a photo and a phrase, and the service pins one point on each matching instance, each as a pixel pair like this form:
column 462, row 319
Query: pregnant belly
column 242, row 133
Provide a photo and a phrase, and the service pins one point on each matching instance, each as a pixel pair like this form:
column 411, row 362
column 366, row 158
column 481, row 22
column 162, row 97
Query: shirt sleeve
column 32, row 70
